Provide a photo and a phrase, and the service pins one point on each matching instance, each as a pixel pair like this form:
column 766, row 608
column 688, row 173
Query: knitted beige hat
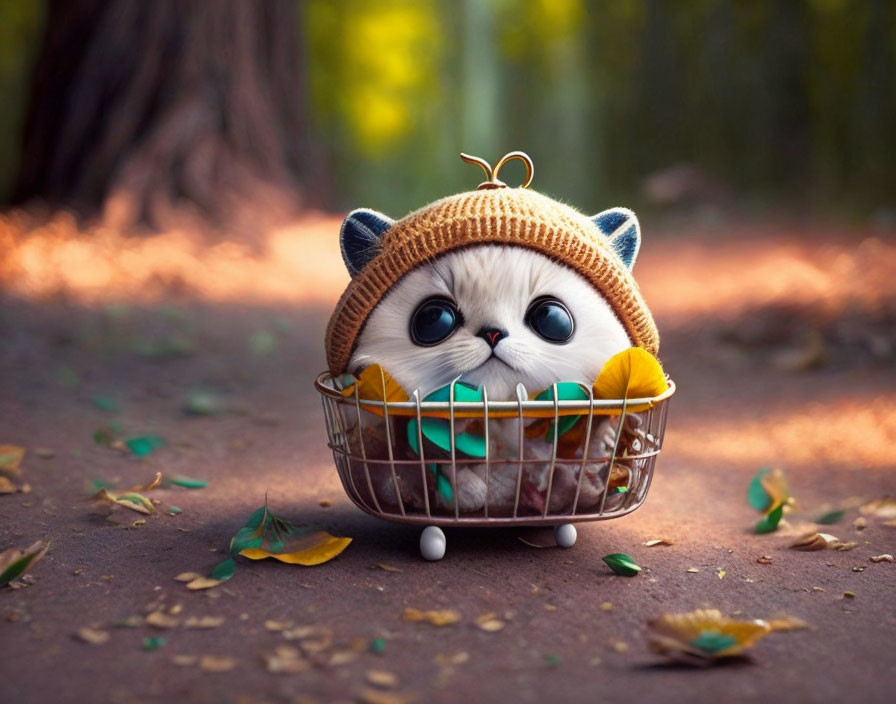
column 378, row 252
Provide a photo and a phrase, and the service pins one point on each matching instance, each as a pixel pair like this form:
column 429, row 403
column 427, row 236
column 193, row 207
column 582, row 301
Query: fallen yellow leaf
column 10, row 459
column 329, row 547
column 445, row 617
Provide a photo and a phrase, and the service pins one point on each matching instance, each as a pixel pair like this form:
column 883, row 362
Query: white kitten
column 489, row 294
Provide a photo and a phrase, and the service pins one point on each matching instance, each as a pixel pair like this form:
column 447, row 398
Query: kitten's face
column 491, row 315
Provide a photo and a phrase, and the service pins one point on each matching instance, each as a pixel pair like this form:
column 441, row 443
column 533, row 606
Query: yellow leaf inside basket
column 376, row 384
column 633, row 373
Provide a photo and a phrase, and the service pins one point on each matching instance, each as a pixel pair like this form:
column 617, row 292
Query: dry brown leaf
column 324, row 503
column 815, row 541
column 843, row 547
column 659, row 541
column 286, row 660
column 151, row 484
column 550, row 607
column 128, row 499
column 381, row 678
column 6, row 486
column 272, row 625
column 451, row 659
column 490, row 622
column 524, row 541
column 187, row 576
column 215, row 663
column 693, row 570
column 860, row 523
column 45, row 453
column 201, row 582
column 886, row 557
column 388, row 568
column 606, row 606
column 764, row 559
column 341, row 657
column 881, row 508
column 444, row 617
column 620, row 646
column 184, row 660
column 375, row 696
column 204, row 622
column 93, row 636
column 787, row 623
column 849, row 595
column 159, row 619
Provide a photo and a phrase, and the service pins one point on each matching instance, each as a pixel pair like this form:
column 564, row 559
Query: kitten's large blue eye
column 550, row 319
column 433, row 321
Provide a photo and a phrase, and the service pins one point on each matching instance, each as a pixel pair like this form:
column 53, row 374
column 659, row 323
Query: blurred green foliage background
column 783, row 102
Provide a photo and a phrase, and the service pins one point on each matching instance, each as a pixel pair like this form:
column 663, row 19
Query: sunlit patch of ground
column 843, row 433
column 296, row 263
column 719, row 273
column 749, row 267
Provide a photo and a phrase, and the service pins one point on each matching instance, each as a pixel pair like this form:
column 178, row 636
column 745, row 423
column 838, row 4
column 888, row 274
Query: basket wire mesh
column 607, row 473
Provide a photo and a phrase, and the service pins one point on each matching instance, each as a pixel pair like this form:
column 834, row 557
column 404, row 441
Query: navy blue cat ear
column 621, row 226
column 360, row 236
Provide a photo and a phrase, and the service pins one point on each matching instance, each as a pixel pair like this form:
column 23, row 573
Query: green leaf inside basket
column 566, row 391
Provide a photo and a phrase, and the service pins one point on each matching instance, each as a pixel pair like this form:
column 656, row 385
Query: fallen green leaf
column 224, row 570
column 262, row 342
column 268, row 535
column 622, row 564
column 769, row 522
column 188, row 482
column 201, row 402
column 105, row 403
column 757, row 496
column 378, row 646
column 154, row 642
column 175, row 510
column 831, row 517
column 14, row 563
column 144, row 444
column 713, row 641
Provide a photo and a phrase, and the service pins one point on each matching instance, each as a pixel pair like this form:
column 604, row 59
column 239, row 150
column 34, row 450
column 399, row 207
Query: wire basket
column 523, row 462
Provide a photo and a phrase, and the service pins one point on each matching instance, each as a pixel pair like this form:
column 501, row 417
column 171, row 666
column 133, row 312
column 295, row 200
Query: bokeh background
column 763, row 103
column 173, row 175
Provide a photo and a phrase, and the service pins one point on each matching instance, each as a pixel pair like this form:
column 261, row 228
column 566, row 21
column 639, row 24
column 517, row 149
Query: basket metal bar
column 547, row 498
column 388, row 425
column 590, row 422
column 619, row 431
column 360, row 426
column 453, row 450
column 496, row 406
column 487, row 452
column 420, row 448
column 520, row 395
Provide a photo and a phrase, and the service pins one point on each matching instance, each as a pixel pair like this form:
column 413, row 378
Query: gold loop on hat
column 492, row 173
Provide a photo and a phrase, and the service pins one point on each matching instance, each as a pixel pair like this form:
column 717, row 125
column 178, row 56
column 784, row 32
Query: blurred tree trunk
column 142, row 110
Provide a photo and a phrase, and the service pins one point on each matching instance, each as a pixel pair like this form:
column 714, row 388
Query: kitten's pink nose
column 491, row 335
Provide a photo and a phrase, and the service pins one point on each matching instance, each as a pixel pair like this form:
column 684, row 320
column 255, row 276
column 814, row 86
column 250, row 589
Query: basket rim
column 324, row 385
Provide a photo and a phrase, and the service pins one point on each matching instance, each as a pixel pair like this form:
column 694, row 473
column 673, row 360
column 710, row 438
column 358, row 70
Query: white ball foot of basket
column 433, row 543
column 565, row 534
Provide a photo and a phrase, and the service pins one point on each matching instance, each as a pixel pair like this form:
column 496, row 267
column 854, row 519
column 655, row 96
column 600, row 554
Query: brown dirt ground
column 781, row 340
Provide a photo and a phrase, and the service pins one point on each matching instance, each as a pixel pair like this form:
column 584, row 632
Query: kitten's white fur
column 492, row 286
